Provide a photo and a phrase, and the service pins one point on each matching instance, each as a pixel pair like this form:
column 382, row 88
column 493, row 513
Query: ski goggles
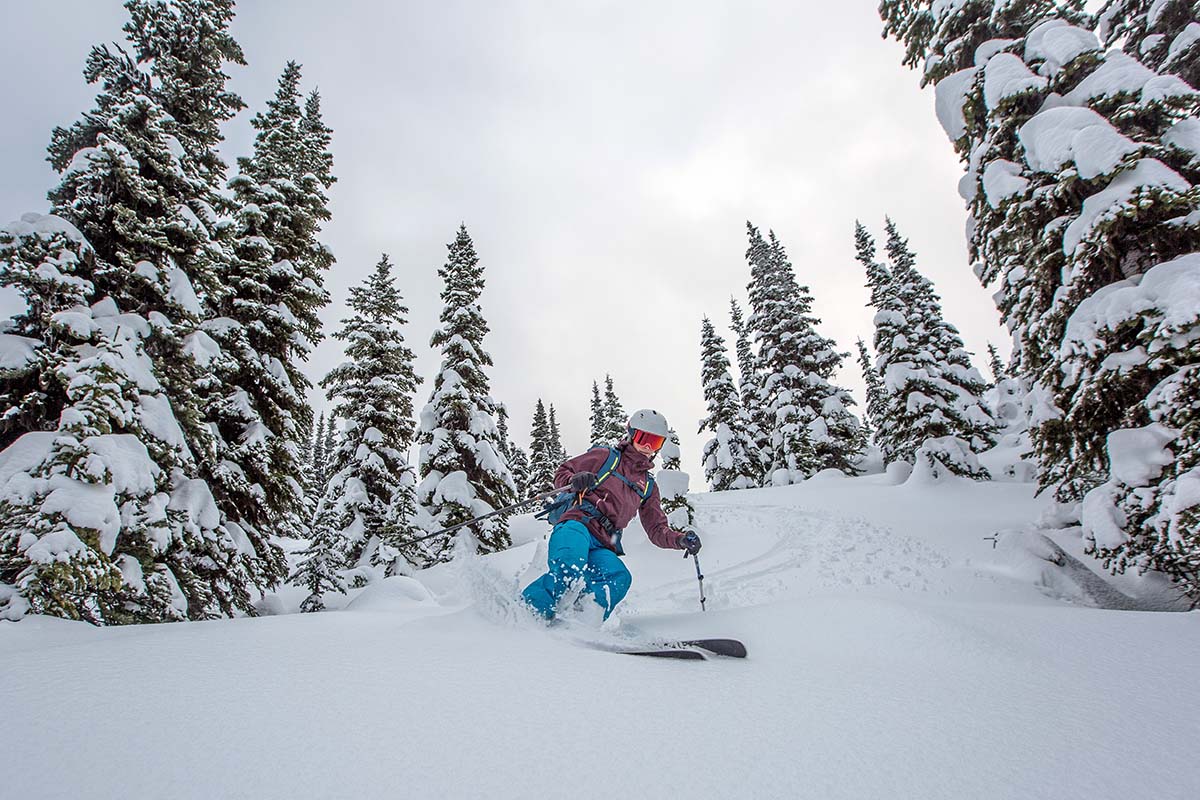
column 651, row 440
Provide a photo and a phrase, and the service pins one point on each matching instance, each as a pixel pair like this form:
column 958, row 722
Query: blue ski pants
column 574, row 553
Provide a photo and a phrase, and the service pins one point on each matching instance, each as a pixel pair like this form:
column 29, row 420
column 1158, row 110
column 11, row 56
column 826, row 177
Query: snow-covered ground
column 894, row 652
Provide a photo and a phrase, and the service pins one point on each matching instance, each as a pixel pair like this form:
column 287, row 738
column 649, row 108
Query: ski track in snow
column 810, row 553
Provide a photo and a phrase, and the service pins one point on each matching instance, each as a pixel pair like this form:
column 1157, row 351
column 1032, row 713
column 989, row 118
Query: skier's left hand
column 690, row 541
column 583, row 482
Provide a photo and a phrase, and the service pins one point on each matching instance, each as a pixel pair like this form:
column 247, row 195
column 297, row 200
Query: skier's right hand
column 689, row 541
column 583, row 482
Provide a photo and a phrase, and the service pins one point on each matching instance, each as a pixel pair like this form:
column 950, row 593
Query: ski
column 693, row 649
column 667, row 652
column 730, row 648
column 685, row 649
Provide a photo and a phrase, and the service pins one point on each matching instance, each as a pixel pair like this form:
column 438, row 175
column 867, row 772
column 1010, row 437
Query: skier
column 608, row 486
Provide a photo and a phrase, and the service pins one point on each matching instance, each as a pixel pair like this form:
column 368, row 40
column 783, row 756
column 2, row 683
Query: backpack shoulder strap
column 610, row 465
column 649, row 487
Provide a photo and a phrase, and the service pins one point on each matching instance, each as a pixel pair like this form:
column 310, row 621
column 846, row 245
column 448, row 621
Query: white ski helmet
column 650, row 421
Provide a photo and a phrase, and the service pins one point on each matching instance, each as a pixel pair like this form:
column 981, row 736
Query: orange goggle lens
column 651, row 440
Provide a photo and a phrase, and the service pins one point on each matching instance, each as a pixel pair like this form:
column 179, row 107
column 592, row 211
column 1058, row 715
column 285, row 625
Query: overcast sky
column 604, row 156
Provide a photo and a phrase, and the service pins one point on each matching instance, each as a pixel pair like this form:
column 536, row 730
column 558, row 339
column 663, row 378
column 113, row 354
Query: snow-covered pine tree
column 556, row 445
column 369, row 504
column 797, row 364
column 673, row 485
column 876, row 395
column 758, row 440
column 333, row 439
column 503, row 443
column 890, row 328
column 136, row 185
column 305, row 286
column 82, row 537
column 307, row 483
column 879, row 278
column 321, row 568
column 597, row 418
column 995, row 364
column 1007, row 402
column 616, row 420
column 464, row 475
column 727, row 459
column 317, row 464
column 519, row 464
column 931, row 388
column 185, row 45
column 515, row 457
column 1062, row 227
column 543, row 461
column 266, row 321
column 49, row 563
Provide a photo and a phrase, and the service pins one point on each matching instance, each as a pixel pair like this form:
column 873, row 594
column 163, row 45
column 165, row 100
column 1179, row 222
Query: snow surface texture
column 895, row 652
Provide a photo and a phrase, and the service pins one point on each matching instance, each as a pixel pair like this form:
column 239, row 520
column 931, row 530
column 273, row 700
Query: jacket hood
column 630, row 454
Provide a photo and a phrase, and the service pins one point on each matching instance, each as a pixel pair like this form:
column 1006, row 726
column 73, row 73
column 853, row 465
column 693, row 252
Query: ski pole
column 513, row 507
column 699, row 579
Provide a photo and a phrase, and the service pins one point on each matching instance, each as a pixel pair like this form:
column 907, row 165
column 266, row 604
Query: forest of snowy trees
column 158, row 438
column 1080, row 134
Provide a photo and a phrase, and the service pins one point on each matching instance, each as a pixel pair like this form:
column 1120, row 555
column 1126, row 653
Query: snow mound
column 392, row 594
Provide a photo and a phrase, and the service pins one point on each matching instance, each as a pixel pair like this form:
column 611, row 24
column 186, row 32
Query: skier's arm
column 591, row 461
column 654, row 521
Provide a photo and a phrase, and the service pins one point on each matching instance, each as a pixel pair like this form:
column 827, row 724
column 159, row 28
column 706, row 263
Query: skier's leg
column 608, row 579
column 567, row 558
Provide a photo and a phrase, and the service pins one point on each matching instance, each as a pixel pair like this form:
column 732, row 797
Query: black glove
column 583, row 482
column 689, row 541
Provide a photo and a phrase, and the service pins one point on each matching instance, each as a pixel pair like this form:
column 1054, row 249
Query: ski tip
column 730, row 648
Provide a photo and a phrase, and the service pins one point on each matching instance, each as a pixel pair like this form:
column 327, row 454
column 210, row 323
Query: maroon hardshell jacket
column 616, row 500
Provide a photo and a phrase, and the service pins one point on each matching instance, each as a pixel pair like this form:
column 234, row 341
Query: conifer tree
column 876, row 394
column 369, row 502
column 185, row 45
column 138, row 177
column 673, row 484
column 726, row 457
column 932, row 389
column 616, row 420
column 1061, row 229
column 556, row 446
column 317, row 465
column 598, row 418
column 333, row 441
column 890, row 328
column 308, row 485
column 464, row 475
column 519, row 464
column 503, row 443
column 996, row 365
column 754, row 421
column 797, row 365
column 267, row 320
column 879, row 278
column 57, row 562
column 543, row 462
column 321, row 567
